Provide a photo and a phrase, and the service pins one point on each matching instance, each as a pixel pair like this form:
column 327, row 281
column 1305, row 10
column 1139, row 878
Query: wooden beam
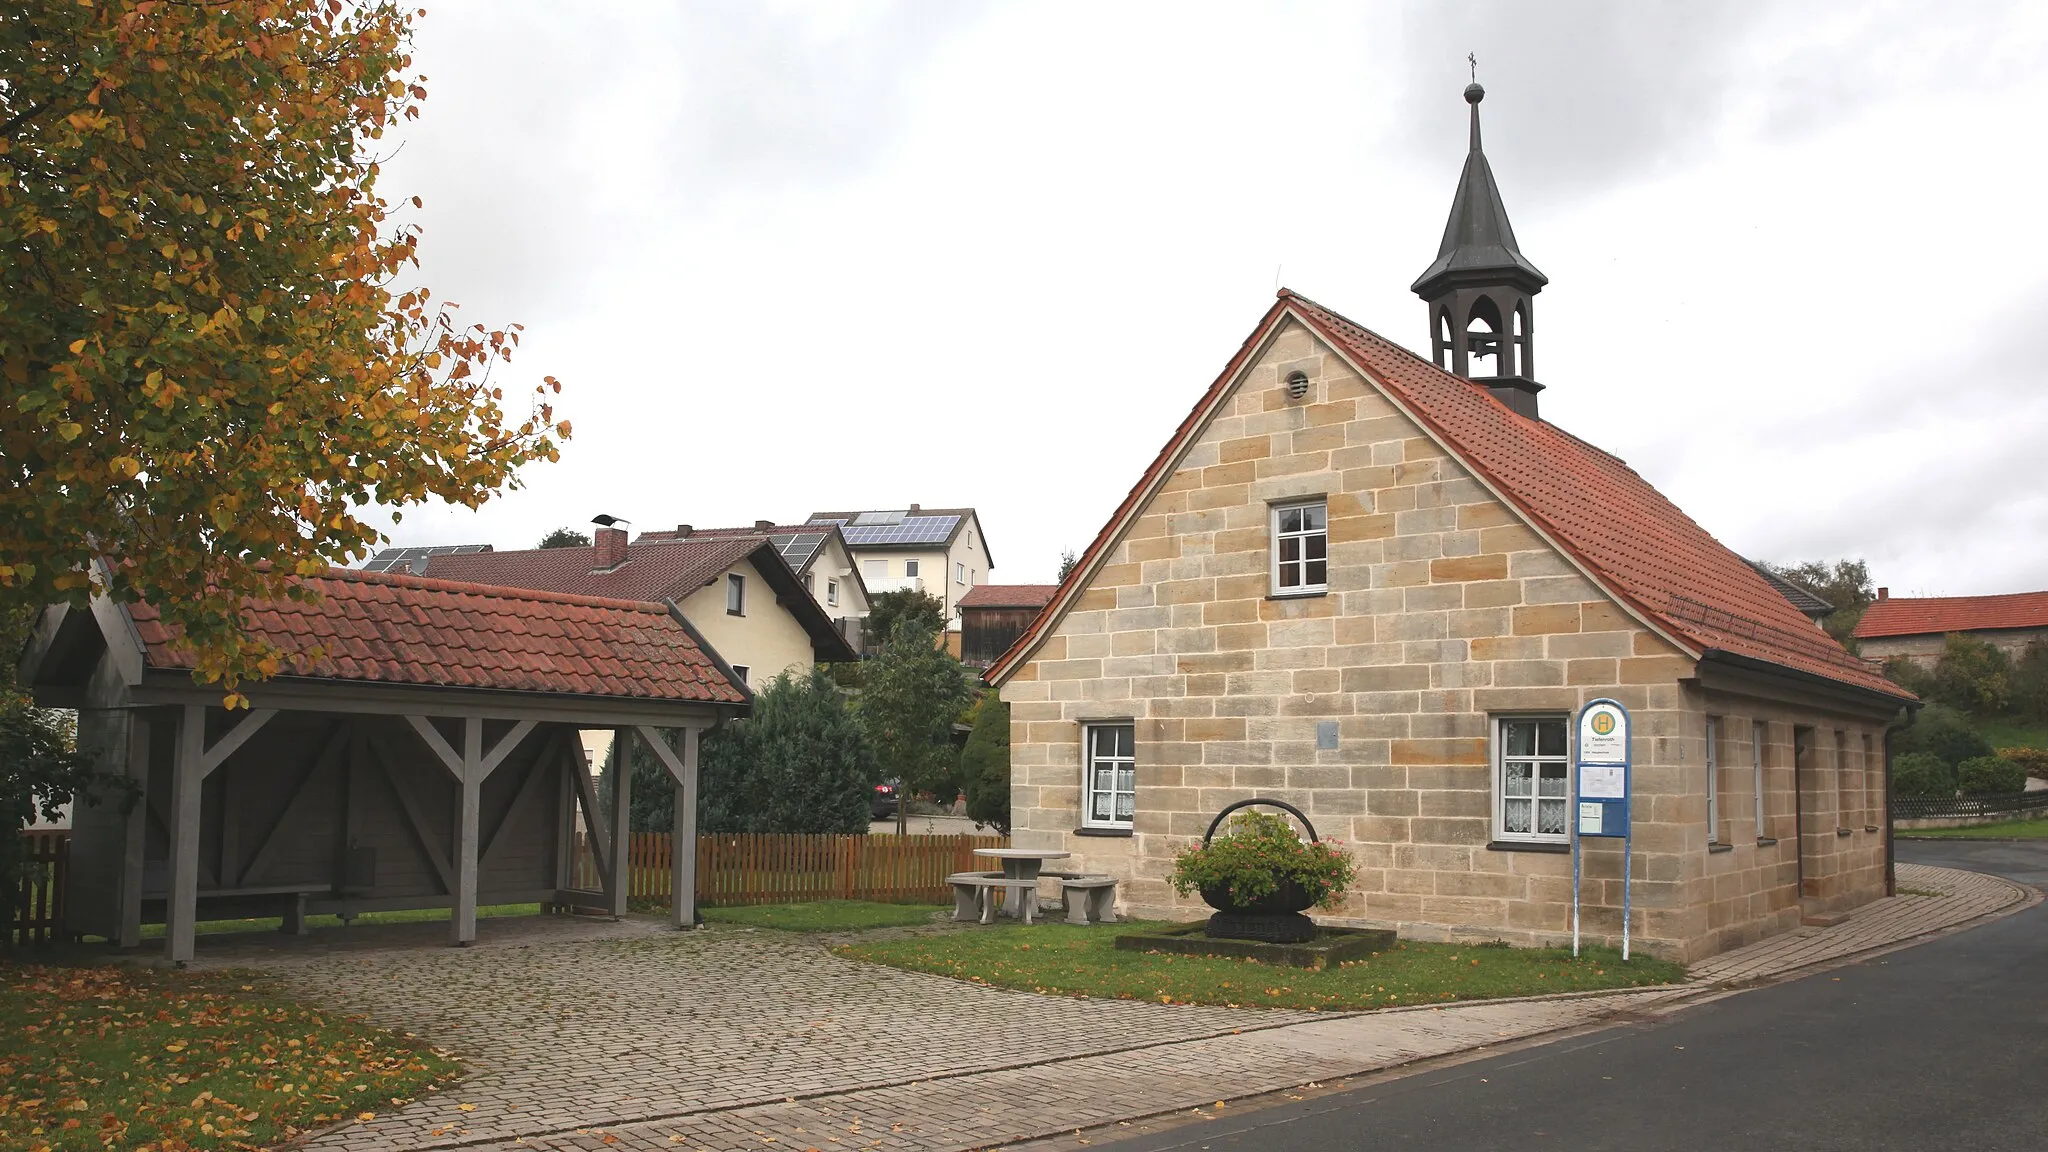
column 586, row 792
column 250, row 725
column 663, row 752
column 188, row 772
column 432, row 735
column 337, row 743
column 622, row 821
column 527, row 784
column 426, row 840
column 468, row 815
column 505, row 746
column 683, row 823
column 135, row 838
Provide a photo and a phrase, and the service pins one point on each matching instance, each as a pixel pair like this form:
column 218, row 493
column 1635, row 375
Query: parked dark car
column 882, row 801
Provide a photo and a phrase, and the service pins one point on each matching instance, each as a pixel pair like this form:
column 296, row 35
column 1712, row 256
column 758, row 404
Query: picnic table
column 1021, row 870
column 1021, row 863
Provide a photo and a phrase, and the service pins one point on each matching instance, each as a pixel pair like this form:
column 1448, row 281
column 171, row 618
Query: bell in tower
column 1481, row 289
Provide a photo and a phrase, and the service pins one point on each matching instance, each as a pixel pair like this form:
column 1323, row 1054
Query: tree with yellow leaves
column 208, row 362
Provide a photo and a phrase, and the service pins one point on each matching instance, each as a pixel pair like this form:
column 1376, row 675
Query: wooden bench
column 1089, row 899
column 974, row 896
column 292, row 908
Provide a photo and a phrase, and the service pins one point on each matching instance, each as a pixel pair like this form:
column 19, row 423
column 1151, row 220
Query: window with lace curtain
column 1532, row 779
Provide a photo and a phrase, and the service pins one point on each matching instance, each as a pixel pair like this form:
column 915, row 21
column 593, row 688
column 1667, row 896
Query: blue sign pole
column 1602, row 786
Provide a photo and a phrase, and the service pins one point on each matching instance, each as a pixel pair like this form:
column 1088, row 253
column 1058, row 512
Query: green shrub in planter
column 1921, row 774
column 1990, row 776
column 1259, row 852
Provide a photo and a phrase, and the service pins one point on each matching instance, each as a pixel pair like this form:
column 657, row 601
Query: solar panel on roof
column 798, row 549
column 409, row 559
column 880, row 518
column 911, row 530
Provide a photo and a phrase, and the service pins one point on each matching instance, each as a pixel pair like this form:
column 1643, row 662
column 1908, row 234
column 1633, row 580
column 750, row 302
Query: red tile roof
column 1009, row 596
column 655, row 571
column 400, row 629
column 1925, row 615
column 1639, row 546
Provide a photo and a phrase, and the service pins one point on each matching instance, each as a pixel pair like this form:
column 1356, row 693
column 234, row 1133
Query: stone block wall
column 1444, row 610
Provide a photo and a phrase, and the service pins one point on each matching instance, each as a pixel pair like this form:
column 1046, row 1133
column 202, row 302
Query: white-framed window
column 959, row 573
column 1109, row 775
column 740, row 670
column 1532, row 779
column 1757, row 735
column 735, row 594
column 1713, row 781
column 1846, row 786
column 909, row 568
column 832, row 593
column 1873, row 780
column 1301, row 548
column 809, row 582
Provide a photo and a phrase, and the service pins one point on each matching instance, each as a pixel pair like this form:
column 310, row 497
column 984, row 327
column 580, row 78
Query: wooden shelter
column 418, row 750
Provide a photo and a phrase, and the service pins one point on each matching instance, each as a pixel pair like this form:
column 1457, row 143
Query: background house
column 737, row 591
column 940, row 551
column 819, row 556
column 1916, row 627
column 992, row 616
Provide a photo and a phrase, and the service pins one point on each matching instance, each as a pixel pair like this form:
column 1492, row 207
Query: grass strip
column 823, row 915
column 1070, row 960
column 132, row 1058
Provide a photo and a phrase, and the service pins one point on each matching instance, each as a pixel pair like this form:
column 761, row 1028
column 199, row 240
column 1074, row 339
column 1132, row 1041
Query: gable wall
column 1444, row 609
column 768, row 640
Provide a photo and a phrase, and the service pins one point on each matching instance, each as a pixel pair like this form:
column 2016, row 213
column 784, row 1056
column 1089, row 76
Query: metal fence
column 1963, row 807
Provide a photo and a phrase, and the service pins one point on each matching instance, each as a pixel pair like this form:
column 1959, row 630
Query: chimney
column 914, row 508
column 763, row 525
column 684, row 530
column 1884, row 593
column 611, row 543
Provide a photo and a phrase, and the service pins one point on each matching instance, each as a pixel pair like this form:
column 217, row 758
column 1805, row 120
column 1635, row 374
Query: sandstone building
column 1918, row 627
column 1378, row 587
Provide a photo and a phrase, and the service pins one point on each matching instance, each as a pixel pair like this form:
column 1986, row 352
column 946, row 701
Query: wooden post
column 188, row 773
column 622, row 821
column 471, row 782
column 133, row 842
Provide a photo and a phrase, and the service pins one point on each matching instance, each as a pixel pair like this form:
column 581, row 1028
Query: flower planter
column 1275, row 917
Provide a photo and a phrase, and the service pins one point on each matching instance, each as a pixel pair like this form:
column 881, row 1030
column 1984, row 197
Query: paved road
column 1941, row 1046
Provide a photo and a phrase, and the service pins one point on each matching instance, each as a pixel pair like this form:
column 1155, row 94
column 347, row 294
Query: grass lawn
column 1083, row 961
column 823, row 915
column 129, row 1058
column 403, row 916
column 2009, row 830
column 2011, row 732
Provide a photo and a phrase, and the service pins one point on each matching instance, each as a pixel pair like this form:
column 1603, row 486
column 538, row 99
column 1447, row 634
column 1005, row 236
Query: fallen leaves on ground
column 127, row 1058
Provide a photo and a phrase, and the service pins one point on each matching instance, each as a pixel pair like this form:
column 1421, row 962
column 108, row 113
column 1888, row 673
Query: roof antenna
column 1473, row 60
column 1276, row 276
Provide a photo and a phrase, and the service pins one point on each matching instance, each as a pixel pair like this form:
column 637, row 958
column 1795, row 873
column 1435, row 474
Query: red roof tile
column 402, row 629
column 655, row 571
column 1008, row 596
column 1925, row 615
column 1639, row 546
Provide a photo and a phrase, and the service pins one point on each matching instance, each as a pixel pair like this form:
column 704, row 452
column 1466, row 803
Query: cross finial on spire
column 1473, row 60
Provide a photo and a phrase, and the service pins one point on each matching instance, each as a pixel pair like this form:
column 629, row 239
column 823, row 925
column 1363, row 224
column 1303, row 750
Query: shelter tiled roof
column 657, row 571
column 1638, row 545
column 1009, row 596
column 402, row 629
column 1926, row 615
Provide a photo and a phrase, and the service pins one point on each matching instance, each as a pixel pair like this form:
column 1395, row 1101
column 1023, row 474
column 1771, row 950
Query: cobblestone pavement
column 727, row 1039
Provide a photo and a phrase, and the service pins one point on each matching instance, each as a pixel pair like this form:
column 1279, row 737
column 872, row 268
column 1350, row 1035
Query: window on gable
column 959, row 573
column 1532, row 779
column 1301, row 548
column 740, row 671
column 832, row 593
column 1109, row 775
column 735, row 594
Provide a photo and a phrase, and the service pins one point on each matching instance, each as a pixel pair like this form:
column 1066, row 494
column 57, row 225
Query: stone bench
column 1089, row 899
column 974, row 896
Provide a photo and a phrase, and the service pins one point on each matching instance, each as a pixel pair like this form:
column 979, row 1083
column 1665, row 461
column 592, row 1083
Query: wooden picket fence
column 782, row 868
column 39, row 905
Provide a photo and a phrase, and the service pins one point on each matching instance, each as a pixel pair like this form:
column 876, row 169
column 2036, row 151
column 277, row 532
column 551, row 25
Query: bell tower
column 1481, row 289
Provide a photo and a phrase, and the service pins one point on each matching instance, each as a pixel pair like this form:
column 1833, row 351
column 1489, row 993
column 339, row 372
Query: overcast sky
column 787, row 257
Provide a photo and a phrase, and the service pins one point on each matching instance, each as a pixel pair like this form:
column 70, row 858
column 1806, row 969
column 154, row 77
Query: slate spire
column 1479, row 288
